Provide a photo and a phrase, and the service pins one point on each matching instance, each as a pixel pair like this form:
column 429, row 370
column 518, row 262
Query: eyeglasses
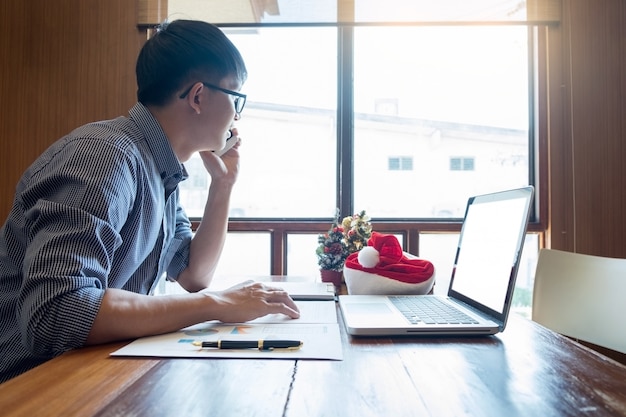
column 240, row 99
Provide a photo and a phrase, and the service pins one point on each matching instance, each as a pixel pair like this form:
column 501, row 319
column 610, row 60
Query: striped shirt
column 98, row 209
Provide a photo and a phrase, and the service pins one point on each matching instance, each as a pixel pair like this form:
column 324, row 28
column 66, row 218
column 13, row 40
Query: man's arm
column 127, row 315
column 206, row 246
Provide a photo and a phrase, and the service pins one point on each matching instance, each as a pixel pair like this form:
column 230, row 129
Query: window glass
column 235, row 264
column 288, row 127
column 318, row 11
column 245, row 254
column 253, row 11
column 455, row 104
column 444, row 118
column 301, row 258
column 441, row 10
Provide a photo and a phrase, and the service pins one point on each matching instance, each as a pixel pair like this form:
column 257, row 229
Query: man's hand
column 250, row 300
column 225, row 167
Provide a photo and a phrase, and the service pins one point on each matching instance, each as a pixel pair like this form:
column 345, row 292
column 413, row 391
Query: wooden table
column 525, row 371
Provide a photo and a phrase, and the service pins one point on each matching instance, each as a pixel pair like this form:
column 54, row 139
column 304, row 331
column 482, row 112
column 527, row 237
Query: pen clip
column 279, row 348
column 287, row 349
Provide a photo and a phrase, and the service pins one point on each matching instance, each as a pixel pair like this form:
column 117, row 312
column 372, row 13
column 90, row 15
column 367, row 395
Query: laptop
column 482, row 283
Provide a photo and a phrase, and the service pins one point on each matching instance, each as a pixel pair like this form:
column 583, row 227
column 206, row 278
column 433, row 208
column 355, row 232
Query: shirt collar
column 171, row 170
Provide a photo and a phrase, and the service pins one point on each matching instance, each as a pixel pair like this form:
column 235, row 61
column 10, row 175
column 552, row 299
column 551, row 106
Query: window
column 289, row 125
column 403, row 120
column 461, row 164
column 459, row 90
column 455, row 90
column 400, row 163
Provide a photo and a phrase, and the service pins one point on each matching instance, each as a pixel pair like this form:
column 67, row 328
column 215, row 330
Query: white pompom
column 368, row 257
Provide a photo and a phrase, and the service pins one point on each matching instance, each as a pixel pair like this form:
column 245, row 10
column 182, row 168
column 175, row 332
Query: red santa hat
column 383, row 256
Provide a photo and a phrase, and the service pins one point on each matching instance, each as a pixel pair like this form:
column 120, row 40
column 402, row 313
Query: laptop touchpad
column 369, row 308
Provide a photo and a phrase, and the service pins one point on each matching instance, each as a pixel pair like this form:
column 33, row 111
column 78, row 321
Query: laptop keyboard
column 430, row 310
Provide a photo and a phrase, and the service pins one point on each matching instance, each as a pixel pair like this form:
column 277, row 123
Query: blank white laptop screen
column 482, row 274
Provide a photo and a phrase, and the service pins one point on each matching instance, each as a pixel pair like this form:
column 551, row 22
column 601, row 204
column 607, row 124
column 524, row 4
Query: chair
column 582, row 297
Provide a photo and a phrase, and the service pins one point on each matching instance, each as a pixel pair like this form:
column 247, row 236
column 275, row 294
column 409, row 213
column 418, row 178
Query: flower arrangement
column 342, row 239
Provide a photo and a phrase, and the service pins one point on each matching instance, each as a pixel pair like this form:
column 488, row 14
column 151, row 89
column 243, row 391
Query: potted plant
column 343, row 238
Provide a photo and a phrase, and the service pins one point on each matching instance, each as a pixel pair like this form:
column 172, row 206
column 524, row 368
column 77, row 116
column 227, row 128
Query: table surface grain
column 527, row 370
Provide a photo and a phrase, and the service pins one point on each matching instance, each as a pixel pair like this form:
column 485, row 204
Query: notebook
column 482, row 282
column 307, row 290
column 298, row 290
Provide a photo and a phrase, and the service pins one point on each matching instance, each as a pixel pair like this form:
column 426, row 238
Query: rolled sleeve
column 65, row 274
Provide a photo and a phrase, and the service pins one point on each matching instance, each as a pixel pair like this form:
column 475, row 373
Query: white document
column 310, row 312
column 317, row 328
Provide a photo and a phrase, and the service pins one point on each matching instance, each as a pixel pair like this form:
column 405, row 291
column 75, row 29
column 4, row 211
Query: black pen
column 252, row 344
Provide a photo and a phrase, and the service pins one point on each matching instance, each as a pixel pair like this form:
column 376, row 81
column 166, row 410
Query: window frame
column 410, row 229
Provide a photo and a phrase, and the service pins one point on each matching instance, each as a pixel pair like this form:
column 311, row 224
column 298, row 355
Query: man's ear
column 195, row 96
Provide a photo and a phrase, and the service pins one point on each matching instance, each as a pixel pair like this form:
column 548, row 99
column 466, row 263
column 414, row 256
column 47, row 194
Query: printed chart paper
column 317, row 328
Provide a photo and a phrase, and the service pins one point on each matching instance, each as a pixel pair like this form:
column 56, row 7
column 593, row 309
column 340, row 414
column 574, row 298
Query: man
column 96, row 218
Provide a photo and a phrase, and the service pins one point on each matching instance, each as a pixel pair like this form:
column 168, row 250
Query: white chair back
column 582, row 296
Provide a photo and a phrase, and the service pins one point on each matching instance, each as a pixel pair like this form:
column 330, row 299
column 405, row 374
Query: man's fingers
column 283, row 297
column 280, row 308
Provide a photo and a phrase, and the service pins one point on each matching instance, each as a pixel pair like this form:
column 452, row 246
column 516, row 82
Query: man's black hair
column 185, row 51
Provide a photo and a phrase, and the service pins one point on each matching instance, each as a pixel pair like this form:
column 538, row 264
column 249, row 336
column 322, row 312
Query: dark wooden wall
column 63, row 63
column 68, row 62
column 587, row 96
